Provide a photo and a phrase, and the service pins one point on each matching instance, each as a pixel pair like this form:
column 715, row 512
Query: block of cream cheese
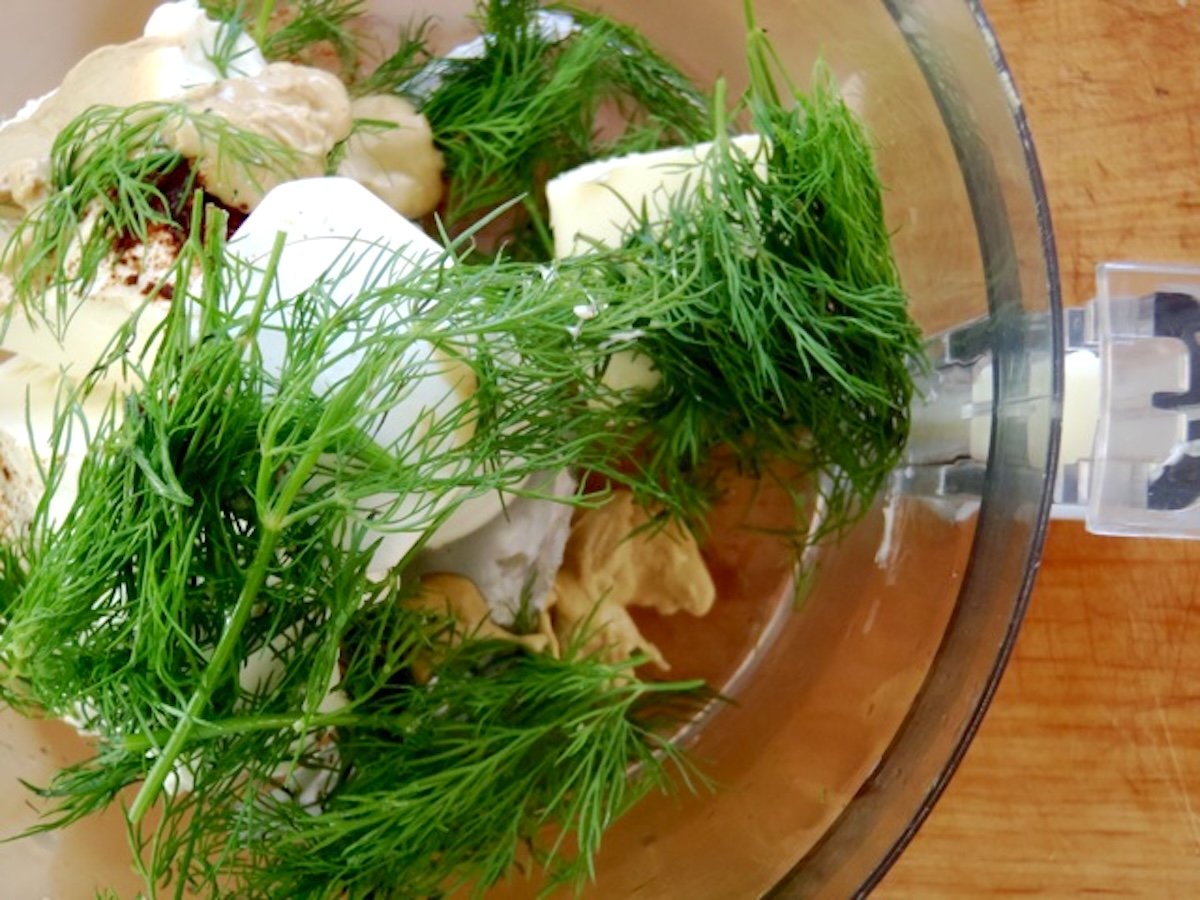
column 111, row 325
column 339, row 233
column 597, row 203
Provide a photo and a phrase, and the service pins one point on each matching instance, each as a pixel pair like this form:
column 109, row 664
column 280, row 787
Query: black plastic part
column 1178, row 316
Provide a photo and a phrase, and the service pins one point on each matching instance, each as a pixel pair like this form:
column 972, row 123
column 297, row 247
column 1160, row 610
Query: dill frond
column 114, row 177
column 528, row 108
column 296, row 31
column 223, row 511
column 396, row 73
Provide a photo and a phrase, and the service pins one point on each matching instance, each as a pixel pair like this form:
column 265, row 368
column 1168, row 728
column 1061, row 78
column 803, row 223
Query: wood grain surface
column 1085, row 778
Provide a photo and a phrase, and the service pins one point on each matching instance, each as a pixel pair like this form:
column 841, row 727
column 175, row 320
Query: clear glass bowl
column 852, row 709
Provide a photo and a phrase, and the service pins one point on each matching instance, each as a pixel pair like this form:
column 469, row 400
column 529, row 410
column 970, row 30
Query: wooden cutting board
column 1085, row 778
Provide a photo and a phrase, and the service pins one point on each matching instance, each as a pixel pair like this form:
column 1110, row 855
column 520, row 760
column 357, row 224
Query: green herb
column 223, row 513
column 230, row 511
column 395, row 74
column 791, row 343
column 114, row 177
column 293, row 31
column 528, row 109
column 503, row 743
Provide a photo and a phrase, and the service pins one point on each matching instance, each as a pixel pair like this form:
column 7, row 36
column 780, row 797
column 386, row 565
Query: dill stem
column 256, row 574
column 273, row 523
column 262, row 22
column 539, row 225
column 338, row 718
column 213, row 673
column 720, row 126
column 241, row 725
column 762, row 85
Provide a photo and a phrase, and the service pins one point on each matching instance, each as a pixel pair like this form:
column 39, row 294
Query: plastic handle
column 1141, row 473
column 1129, row 460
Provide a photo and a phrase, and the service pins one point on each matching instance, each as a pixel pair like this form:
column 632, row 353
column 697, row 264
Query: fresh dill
column 793, row 343
column 110, row 170
column 548, row 743
column 529, row 108
column 221, row 513
column 229, row 509
column 300, row 31
column 547, row 91
column 398, row 72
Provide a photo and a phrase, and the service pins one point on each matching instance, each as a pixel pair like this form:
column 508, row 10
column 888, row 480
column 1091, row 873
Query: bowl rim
column 824, row 853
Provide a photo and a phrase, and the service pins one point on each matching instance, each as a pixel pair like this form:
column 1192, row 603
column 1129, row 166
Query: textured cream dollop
column 175, row 54
column 304, row 109
column 615, row 559
column 400, row 164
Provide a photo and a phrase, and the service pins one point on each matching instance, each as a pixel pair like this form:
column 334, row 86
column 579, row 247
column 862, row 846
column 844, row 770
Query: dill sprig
column 396, row 73
column 548, row 743
column 527, row 109
column 794, row 344
column 295, row 30
column 222, row 512
column 232, row 509
column 109, row 173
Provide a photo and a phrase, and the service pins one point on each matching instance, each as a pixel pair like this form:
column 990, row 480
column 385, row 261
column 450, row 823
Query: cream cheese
column 513, row 559
column 340, row 233
column 596, row 205
column 30, row 395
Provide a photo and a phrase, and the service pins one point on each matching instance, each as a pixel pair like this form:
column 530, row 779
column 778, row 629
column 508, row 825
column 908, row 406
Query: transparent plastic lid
column 1129, row 459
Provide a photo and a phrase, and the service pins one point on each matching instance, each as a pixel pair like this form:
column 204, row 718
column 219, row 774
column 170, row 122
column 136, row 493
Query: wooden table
column 1085, row 778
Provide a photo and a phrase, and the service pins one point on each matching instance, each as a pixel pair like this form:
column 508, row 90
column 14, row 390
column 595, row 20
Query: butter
column 123, row 296
column 598, row 203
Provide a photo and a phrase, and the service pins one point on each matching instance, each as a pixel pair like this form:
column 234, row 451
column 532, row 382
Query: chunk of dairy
column 399, row 164
column 107, row 326
column 597, row 203
column 339, row 232
column 187, row 25
column 20, row 487
column 512, row 560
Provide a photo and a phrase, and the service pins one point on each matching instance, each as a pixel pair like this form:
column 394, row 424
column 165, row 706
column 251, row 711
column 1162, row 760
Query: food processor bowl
column 851, row 697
